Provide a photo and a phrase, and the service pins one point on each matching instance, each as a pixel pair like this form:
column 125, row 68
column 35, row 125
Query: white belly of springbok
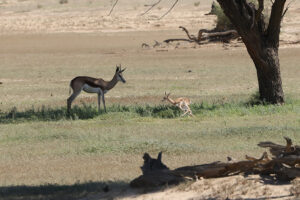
column 89, row 89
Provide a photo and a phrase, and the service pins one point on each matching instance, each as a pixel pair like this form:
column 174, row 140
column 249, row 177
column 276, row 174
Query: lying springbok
column 94, row 85
column 182, row 103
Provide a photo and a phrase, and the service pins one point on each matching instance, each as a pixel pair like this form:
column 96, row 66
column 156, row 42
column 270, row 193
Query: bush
column 169, row 113
column 223, row 23
column 63, row 1
column 196, row 4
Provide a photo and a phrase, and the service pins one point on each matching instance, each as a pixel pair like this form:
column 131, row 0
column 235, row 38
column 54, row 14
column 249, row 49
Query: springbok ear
column 117, row 68
column 146, row 157
column 159, row 156
column 123, row 70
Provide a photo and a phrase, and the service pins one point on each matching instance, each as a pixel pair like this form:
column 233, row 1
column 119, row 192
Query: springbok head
column 152, row 164
column 166, row 96
column 119, row 73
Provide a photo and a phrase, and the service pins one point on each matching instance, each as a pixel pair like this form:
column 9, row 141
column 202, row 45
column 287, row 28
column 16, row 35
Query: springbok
column 182, row 103
column 94, row 85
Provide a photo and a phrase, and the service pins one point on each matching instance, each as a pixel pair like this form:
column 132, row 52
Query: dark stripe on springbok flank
column 1, row 83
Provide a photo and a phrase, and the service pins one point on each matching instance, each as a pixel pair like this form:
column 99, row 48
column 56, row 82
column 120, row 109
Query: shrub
column 223, row 23
column 169, row 113
column 196, row 4
column 63, row 1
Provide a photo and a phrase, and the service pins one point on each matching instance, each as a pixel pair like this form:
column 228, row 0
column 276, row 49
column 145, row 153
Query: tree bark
column 261, row 42
column 269, row 80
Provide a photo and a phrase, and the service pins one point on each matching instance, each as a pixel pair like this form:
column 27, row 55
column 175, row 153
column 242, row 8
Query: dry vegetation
column 44, row 45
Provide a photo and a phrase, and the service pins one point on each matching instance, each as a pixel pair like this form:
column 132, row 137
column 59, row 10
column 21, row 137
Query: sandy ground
column 236, row 187
column 49, row 16
column 22, row 17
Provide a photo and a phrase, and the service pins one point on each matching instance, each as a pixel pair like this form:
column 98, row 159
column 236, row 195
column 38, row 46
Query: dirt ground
column 237, row 187
column 45, row 28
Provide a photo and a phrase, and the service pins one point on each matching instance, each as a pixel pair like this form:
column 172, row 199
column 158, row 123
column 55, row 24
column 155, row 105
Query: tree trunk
column 261, row 42
column 268, row 73
column 269, row 81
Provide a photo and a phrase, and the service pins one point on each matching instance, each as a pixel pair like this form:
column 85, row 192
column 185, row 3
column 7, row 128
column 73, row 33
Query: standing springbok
column 94, row 85
column 182, row 103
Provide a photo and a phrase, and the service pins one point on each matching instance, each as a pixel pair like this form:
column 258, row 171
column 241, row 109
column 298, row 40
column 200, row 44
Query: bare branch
column 224, row 36
column 176, row 1
column 274, row 22
column 260, row 9
column 188, row 34
column 152, row 6
column 287, row 8
column 113, row 7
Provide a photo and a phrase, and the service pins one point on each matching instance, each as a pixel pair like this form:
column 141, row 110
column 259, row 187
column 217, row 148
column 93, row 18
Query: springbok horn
column 117, row 68
column 159, row 156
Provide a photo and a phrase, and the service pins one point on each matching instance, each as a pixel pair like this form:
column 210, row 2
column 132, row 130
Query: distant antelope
column 94, row 85
column 182, row 103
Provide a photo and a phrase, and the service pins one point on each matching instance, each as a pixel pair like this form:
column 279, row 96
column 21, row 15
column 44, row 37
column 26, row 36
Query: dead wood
column 112, row 8
column 278, row 150
column 208, row 36
column 285, row 167
column 151, row 6
column 174, row 4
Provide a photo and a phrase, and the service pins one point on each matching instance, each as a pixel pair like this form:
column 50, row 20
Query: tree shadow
column 78, row 191
column 272, row 180
column 61, row 192
column 48, row 114
column 85, row 112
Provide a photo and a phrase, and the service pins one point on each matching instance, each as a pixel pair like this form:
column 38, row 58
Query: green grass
column 159, row 111
column 44, row 153
column 87, row 111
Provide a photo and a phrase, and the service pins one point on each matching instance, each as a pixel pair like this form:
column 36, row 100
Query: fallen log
column 285, row 167
column 208, row 36
column 278, row 150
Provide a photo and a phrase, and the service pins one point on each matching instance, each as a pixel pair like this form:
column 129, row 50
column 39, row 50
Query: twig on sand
column 112, row 8
column 151, row 6
column 169, row 9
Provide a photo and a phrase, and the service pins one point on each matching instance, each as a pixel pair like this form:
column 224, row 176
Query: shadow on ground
column 61, row 192
column 87, row 111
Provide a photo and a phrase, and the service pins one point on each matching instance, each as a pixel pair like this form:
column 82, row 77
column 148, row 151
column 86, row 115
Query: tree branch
column 239, row 13
column 274, row 23
column 224, row 36
column 188, row 34
column 176, row 1
column 287, row 8
column 113, row 7
column 151, row 6
column 260, row 9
